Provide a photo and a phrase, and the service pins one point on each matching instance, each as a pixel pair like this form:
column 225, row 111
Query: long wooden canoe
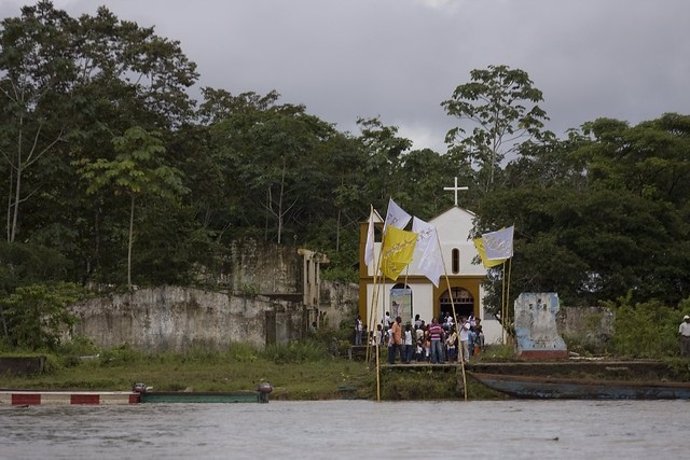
column 522, row 386
column 203, row 397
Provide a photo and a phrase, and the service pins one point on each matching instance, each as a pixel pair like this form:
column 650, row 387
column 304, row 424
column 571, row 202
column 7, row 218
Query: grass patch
column 296, row 372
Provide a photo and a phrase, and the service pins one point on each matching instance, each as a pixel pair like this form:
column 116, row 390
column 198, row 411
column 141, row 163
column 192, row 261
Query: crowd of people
column 440, row 341
column 437, row 342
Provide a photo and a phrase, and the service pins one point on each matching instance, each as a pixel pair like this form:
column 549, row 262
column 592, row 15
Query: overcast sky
column 399, row 59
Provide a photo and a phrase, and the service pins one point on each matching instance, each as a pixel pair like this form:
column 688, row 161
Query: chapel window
column 455, row 258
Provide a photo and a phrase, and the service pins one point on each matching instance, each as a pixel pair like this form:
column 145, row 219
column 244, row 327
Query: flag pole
column 374, row 306
column 374, row 295
column 455, row 317
column 370, row 307
column 510, row 265
column 395, row 213
column 504, row 334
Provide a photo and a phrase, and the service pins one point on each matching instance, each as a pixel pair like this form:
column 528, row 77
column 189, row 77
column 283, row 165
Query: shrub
column 118, row 356
column 295, row 352
column 644, row 330
column 34, row 317
column 78, row 346
column 242, row 353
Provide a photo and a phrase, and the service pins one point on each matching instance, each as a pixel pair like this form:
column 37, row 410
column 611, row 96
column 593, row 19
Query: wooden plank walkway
column 420, row 365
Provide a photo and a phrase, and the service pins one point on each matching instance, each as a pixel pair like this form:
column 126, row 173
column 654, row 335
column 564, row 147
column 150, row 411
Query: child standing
column 407, row 342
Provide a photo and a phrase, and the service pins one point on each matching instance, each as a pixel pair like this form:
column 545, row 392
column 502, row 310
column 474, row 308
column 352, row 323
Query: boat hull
column 532, row 387
column 203, row 397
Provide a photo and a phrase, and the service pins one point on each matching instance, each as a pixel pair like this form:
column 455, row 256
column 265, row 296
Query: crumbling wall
column 586, row 328
column 536, row 331
column 253, row 267
column 176, row 318
column 256, row 298
column 338, row 302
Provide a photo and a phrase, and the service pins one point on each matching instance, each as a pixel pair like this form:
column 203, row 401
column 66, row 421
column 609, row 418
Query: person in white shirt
column 386, row 321
column 407, row 342
column 465, row 340
column 684, row 331
column 359, row 329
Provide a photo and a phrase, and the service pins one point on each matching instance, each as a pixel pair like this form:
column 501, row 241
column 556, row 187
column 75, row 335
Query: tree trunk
column 129, row 248
column 280, row 202
column 9, row 204
column 337, row 231
column 17, row 195
column 17, row 188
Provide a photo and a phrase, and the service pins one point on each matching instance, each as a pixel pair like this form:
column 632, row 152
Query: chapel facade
column 412, row 293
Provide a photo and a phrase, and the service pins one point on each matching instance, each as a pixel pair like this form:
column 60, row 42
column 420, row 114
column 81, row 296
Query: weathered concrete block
column 176, row 318
column 535, row 327
column 22, row 365
column 586, row 329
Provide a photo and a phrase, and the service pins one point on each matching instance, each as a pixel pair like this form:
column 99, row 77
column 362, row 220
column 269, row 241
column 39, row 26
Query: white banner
column 396, row 216
column 427, row 258
column 369, row 247
column 499, row 244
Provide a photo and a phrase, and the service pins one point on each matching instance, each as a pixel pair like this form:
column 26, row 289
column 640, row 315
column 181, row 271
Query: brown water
column 350, row 429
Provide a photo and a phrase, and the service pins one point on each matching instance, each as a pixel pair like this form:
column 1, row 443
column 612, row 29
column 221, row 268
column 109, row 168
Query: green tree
column 67, row 87
column 599, row 215
column 501, row 103
column 384, row 150
column 274, row 157
column 644, row 330
column 136, row 172
column 36, row 69
column 38, row 314
column 424, row 173
column 127, row 76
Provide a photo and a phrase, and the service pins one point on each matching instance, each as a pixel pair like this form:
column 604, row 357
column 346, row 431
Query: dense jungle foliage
column 114, row 175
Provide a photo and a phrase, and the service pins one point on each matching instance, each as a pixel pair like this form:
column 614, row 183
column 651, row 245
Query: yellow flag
column 479, row 244
column 398, row 248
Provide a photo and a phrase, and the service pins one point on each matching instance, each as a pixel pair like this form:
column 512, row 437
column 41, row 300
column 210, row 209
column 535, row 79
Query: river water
column 350, row 429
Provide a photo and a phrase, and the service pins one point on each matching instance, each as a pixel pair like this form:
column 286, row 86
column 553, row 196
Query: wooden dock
column 421, row 365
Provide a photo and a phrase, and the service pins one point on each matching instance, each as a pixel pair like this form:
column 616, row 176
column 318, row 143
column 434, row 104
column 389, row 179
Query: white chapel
column 414, row 294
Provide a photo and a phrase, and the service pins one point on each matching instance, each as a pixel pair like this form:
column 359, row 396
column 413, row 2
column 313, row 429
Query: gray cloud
column 398, row 59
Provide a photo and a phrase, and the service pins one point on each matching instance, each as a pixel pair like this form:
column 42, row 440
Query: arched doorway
column 463, row 300
column 401, row 302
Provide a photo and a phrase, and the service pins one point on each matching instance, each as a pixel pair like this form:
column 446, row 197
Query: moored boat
column 200, row 397
column 538, row 387
column 260, row 395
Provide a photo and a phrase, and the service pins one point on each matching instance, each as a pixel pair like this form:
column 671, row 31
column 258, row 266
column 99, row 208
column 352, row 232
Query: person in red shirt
column 436, row 335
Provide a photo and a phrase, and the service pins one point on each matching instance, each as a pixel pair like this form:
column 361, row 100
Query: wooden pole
column 504, row 334
column 374, row 298
column 455, row 317
column 374, row 305
column 510, row 265
column 378, row 374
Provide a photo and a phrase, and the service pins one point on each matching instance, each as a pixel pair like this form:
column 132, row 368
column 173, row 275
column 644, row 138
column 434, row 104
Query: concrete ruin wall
column 178, row 318
column 535, row 326
column 255, row 267
column 589, row 328
column 256, row 298
column 175, row 318
column 545, row 324
column 338, row 302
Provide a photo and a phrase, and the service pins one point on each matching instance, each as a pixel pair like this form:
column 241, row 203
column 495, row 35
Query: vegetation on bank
column 298, row 371
column 318, row 367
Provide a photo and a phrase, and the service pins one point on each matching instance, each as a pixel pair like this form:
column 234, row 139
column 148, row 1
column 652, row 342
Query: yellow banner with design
column 398, row 248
